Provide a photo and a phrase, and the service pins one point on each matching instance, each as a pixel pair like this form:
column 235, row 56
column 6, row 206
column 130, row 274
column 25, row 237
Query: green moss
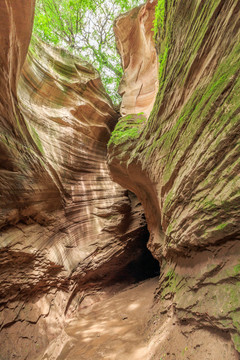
column 197, row 110
column 159, row 17
column 170, row 283
column 228, row 295
column 37, row 139
column 128, row 128
column 169, row 229
column 163, row 62
column 221, row 226
column 236, row 320
column 202, row 16
column 19, row 125
column 163, row 35
column 168, row 200
column 196, row 107
column 236, row 269
column 236, row 340
column 208, row 205
column 200, row 22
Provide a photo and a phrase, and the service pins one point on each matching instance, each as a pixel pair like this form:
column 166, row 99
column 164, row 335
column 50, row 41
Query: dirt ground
column 127, row 326
column 114, row 328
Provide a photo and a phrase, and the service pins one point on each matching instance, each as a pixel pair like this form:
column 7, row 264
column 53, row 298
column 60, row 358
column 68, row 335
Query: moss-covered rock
column 189, row 146
column 184, row 164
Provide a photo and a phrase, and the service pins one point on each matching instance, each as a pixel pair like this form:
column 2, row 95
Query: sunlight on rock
column 133, row 306
column 119, row 223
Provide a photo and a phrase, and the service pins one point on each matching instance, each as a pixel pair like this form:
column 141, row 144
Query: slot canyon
column 119, row 227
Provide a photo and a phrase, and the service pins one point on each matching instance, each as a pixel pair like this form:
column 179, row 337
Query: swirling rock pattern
column 183, row 162
column 65, row 225
column 135, row 44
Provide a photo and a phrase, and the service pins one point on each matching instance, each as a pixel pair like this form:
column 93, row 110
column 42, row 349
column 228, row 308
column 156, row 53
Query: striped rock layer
column 182, row 162
column 66, row 227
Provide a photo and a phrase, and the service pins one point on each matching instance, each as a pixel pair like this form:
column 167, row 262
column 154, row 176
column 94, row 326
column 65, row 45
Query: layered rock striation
column 135, row 44
column 66, row 227
column 183, row 160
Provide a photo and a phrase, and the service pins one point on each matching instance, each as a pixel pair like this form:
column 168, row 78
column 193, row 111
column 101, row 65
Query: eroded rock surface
column 183, row 163
column 135, row 44
column 67, row 228
column 65, row 225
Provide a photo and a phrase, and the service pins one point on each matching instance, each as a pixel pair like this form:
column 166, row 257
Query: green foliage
column 85, row 27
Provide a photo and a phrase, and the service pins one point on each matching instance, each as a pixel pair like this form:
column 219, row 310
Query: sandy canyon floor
column 129, row 325
column 114, row 328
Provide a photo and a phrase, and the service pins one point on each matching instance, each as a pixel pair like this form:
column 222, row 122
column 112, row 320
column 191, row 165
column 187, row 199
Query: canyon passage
column 119, row 225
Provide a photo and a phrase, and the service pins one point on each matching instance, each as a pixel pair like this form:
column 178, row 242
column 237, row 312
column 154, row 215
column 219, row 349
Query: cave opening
column 134, row 263
column 139, row 263
column 143, row 266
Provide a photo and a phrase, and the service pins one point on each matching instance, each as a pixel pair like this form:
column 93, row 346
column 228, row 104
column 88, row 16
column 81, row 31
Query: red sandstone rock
column 136, row 46
column 181, row 160
column 183, row 164
column 65, row 225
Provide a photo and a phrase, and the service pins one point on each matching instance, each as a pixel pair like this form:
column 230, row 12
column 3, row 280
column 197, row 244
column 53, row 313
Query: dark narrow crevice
column 143, row 266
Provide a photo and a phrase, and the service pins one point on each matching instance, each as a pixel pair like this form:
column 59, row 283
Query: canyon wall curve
column 70, row 166
column 182, row 161
column 66, row 228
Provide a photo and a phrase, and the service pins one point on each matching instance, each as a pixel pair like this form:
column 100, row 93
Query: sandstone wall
column 135, row 44
column 66, row 227
column 183, row 160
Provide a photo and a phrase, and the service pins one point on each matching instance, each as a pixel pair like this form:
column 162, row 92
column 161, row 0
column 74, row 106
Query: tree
column 85, row 27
